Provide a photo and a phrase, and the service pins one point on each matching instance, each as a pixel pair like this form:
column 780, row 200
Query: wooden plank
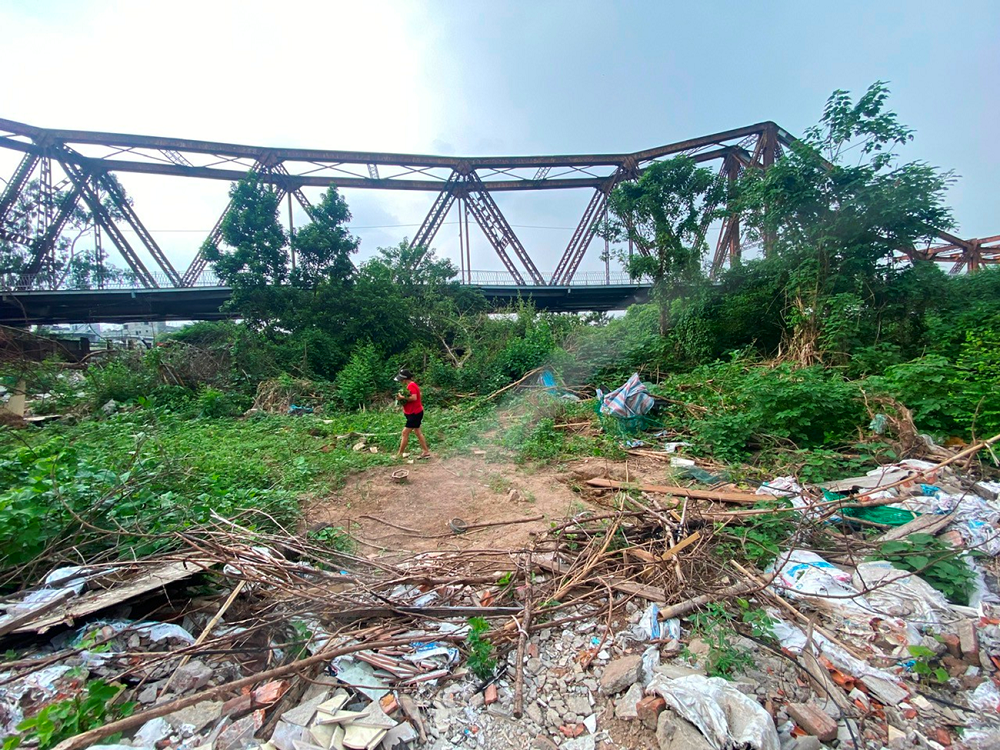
column 687, row 541
column 740, row 498
column 151, row 578
column 17, row 621
column 367, row 613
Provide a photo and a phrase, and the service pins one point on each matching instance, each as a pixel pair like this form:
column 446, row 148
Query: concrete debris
column 676, row 733
column 192, row 676
column 620, row 674
column 625, row 707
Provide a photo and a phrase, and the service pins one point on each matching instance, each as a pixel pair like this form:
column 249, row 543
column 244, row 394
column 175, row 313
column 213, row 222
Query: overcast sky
column 493, row 78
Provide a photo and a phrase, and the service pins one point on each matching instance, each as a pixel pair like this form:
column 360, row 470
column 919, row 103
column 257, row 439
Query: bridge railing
column 44, row 282
column 587, row 278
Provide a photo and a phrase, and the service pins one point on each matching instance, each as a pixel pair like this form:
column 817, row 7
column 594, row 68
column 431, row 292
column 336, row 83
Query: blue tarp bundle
column 630, row 400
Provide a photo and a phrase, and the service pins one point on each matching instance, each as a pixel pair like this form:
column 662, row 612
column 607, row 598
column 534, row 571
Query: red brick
column 813, row 720
column 388, row 703
column 490, row 695
column 941, row 736
column 649, row 710
column 952, row 642
column 239, row 706
column 572, row 730
column 968, row 639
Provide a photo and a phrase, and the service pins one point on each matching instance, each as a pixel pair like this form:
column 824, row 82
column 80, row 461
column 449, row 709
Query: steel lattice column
column 498, row 231
column 16, row 185
column 101, row 216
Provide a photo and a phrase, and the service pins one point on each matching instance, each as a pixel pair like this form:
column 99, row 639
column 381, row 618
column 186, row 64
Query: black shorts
column 413, row 420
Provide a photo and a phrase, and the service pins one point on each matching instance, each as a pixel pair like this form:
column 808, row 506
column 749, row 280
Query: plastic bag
column 986, row 697
column 898, row 593
column 885, row 686
column 804, row 573
column 726, row 717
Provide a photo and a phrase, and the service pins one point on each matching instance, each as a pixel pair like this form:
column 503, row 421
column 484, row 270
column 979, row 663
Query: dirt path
column 470, row 488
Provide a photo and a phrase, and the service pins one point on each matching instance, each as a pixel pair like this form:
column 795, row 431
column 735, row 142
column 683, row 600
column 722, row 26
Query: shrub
column 119, row 380
column 740, row 406
column 360, row 380
column 214, row 403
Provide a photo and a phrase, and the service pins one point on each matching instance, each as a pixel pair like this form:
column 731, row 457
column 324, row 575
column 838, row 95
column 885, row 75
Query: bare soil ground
column 394, row 519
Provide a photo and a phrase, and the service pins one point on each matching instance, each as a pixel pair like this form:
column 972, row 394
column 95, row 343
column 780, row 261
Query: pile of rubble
column 594, row 630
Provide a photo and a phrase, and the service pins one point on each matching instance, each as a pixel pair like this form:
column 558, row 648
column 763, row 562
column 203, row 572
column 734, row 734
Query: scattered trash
column 283, row 644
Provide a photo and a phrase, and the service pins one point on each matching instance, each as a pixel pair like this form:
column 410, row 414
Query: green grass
column 137, row 476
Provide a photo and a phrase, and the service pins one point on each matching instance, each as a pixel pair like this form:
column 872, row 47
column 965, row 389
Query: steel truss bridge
column 72, row 167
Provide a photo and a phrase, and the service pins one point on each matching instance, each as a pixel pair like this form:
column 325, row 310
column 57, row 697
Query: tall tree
column 324, row 247
column 667, row 210
column 257, row 252
column 836, row 209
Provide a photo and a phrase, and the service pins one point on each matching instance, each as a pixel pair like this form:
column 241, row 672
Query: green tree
column 667, row 210
column 257, row 253
column 836, row 209
column 324, row 247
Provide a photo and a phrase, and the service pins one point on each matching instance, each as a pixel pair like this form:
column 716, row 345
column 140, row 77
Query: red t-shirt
column 413, row 407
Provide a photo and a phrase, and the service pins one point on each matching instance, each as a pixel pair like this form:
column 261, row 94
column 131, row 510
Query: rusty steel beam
column 103, row 218
column 498, row 231
column 43, row 246
column 315, row 180
column 435, row 217
column 132, row 219
column 16, row 184
column 581, row 239
column 216, row 160
column 728, row 246
column 461, row 163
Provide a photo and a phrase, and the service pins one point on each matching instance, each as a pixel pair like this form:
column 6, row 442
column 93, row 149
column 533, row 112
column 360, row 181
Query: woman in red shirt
column 413, row 409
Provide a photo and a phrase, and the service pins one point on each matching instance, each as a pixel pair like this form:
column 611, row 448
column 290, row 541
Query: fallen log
column 740, row 498
column 687, row 607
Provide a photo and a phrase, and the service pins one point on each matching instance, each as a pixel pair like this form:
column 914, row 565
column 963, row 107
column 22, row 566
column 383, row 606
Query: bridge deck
column 205, row 303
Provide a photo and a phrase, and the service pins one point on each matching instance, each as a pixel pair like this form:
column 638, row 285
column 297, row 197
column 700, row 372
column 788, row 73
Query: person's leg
column 403, row 441
column 423, row 441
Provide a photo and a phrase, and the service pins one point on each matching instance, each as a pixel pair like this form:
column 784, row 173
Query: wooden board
column 740, row 498
column 148, row 578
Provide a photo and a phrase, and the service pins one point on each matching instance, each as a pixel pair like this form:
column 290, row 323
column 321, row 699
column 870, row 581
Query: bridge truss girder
column 92, row 158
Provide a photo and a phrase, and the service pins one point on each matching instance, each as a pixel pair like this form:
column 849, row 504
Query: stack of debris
column 600, row 631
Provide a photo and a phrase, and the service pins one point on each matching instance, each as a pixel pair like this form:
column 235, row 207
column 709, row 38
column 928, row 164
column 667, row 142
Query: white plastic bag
column 898, row 593
column 726, row 717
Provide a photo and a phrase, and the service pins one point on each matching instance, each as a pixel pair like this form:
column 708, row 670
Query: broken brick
column 239, row 706
column 953, row 645
column 649, row 710
column 813, row 720
column 968, row 639
column 955, row 667
column 571, row 730
column 941, row 736
column 490, row 695
column 388, row 703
